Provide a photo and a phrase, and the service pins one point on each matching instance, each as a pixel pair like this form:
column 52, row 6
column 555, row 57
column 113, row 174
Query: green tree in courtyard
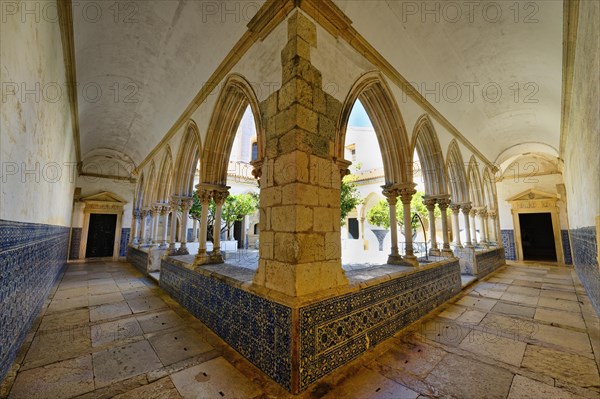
column 349, row 196
column 379, row 215
column 235, row 208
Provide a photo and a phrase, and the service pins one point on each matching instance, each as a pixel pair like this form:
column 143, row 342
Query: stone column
column 142, row 241
column 406, row 193
column 219, row 197
column 492, row 215
column 174, row 204
column 473, row 226
column 455, row 208
column 481, row 215
column 164, row 215
column 443, row 204
column 135, row 228
column 186, row 204
column 300, row 247
column 391, row 195
column 154, row 232
column 430, row 205
column 194, row 230
column 204, row 195
column 465, row 211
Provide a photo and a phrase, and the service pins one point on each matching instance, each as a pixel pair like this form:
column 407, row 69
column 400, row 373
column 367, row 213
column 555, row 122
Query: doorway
column 238, row 233
column 353, row 228
column 537, row 236
column 101, row 235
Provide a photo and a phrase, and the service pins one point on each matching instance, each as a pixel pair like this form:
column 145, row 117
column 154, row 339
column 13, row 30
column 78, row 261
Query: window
column 254, row 155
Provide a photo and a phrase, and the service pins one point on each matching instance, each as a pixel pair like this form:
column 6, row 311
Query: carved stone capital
column 391, row 194
column 455, row 208
column 220, row 196
column 137, row 214
column 466, row 208
column 443, row 203
column 406, row 192
column 473, row 212
column 163, row 210
column 429, row 204
column 186, row 203
column 144, row 213
column 483, row 213
column 257, row 169
column 492, row 214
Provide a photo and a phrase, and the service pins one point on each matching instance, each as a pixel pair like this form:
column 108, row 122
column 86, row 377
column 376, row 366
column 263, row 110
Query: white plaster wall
column 582, row 147
column 36, row 128
column 93, row 185
column 510, row 187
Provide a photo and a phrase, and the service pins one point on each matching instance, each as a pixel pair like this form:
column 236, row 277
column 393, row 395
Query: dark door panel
column 101, row 235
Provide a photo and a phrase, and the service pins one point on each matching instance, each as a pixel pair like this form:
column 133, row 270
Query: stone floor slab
column 64, row 379
column 514, row 309
column 477, row 302
column 117, row 330
column 159, row 321
column 103, row 299
column 475, row 380
column 145, row 304
column 161, row 389
column 526, row 388
column 556, row 303
column 175, row 346
column 214, row 379
column 370, row 384
column 564, row 366
column 117, row 364
column 559, row 317
column 109, row 311
column 414, row 356
column 493, row 346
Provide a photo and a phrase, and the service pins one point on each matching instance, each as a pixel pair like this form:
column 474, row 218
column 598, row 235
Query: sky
column 358, row 116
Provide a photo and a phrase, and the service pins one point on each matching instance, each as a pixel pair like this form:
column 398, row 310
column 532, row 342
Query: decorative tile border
column 508, row 242
column 337, row 330
column 585, row 251
column 31, row 256
column 125, row 231
column 566, row 243
column 138, row 258
column 258, row 328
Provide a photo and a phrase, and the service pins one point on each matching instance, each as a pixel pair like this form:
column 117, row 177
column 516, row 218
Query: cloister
column 126, row 272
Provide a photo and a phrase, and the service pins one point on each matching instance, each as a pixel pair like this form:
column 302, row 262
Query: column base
column 216, row 257
column 434, row 252
column 183, row 250
column 410, row 260
column 163, row 245
column 201, row 259
column 395, row 259
column 447, row 252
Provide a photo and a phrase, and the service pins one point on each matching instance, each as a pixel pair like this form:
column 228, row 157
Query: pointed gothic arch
column 187, row 161
column 433, row 168
column 376, row 97
column 457, row 177
column 475, row 189
column 150, row 189
column 165, row 177
column 237, row 94
column 489, row 198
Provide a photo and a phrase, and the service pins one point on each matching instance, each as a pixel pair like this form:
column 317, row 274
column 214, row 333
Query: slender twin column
column 137, row 216
column 472, row 214
column 443, row 204
column 194, row 230
column 174, row 205
column 482, row 214
column 430, row 205
column 164, row 216
column 204, row 195
column 466, row 208
column 154, row 214
column 492, row 216
column 406, row 193
column 392, row 195
column 455, row 208
column 142, row 241
column 186, row 205
column 219, row 198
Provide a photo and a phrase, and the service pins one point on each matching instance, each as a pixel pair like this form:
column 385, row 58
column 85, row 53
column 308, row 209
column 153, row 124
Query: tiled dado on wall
column 566, row 243
column 585, row 251
column 488, row 261
column 138, row 258
column 32, row 258
column 508, row 242
column 269, row 334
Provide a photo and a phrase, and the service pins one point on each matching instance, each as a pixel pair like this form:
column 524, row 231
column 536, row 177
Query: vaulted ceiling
column 151, row 57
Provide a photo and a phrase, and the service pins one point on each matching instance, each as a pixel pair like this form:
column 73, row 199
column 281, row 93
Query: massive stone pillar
column 219, row 196
column 300, row 250
column 406, row 192
column 430, row 205
column 443, row 204
column 455, row 208
column 466, row 209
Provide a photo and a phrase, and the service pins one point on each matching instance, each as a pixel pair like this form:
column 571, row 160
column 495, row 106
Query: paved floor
column 524, row 332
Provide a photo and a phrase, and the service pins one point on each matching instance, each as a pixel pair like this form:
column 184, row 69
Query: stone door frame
column 102, row 203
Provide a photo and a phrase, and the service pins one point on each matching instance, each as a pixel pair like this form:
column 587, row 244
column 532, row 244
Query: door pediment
column 104, row 201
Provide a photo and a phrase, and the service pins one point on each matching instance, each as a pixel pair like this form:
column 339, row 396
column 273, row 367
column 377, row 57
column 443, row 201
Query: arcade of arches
column 116, row 231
